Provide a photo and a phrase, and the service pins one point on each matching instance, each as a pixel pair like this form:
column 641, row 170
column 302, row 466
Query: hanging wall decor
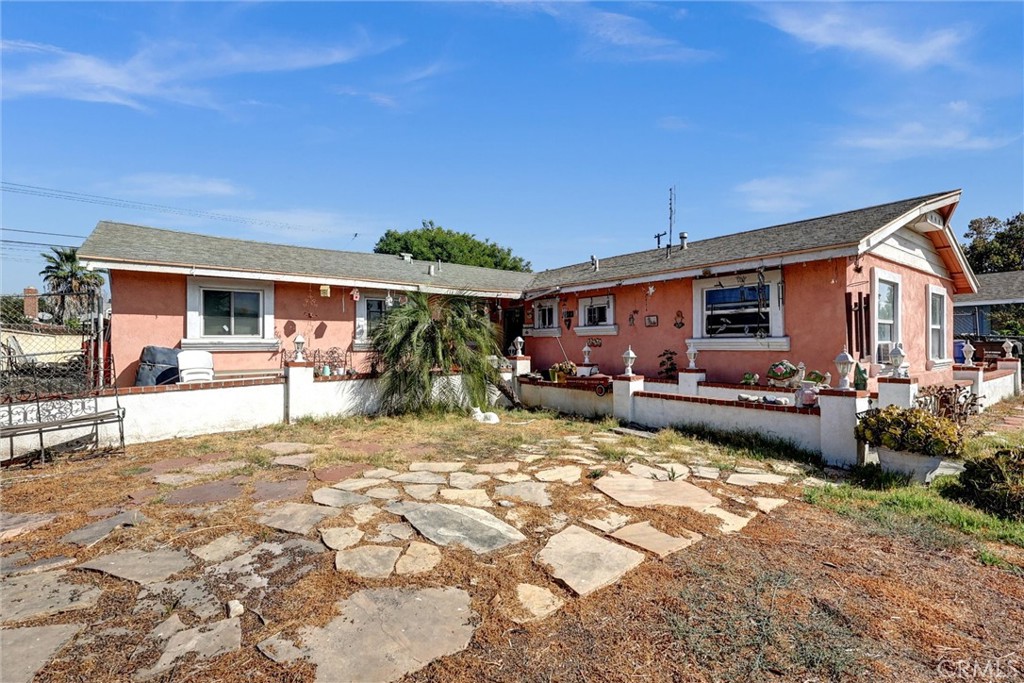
column 650, row 321
column 679, row 321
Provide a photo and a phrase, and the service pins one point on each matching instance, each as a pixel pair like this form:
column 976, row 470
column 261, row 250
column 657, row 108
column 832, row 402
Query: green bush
column 995, row 483
column 912, row 430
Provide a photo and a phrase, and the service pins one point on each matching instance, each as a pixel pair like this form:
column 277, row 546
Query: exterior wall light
column 300, row 344
column 628, row 358
column 844, row 364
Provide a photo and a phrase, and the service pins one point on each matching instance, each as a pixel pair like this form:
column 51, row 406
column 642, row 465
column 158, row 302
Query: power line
column 38, row 232
column 37, row 244
column 67, row 195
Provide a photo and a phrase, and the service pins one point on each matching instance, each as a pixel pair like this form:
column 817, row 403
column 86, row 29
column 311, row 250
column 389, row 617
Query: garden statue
column 860, row 378
column 750, row 379
column 785, row 374
column 818, row 380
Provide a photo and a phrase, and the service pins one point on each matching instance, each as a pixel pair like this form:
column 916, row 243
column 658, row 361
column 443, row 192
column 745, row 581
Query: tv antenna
column 671, row 213
column 658, row 237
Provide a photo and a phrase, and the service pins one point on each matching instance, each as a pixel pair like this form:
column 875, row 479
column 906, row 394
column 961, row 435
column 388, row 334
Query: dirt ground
column 800, row 594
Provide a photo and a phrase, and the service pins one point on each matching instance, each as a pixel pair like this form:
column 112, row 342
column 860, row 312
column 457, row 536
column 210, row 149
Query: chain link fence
column 49, row 346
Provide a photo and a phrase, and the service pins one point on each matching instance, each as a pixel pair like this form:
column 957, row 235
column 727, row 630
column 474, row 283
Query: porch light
column 897, row 356
column 300, row 343
column 628, row 358
column 1007, row 349
column 844, row 364
column 691, row 353
column 586, row 354
column 518, row 344
column 969, row 353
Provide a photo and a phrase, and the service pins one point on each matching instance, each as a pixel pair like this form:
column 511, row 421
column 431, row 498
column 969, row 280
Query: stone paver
column 585, row 562
column 287, row 489
column 633, row 491
column 401, row 507
column 253, row 569
column 143, row 495
column 705, row 472
column 475, row 529
column 766, row 505
column 536, row 603
column 92, row 534
column 645, row 536
column 513, row 478
column 609, row 522
column 279, row 649
column 475, row 497
column 298, row 518
column 419, row 478
column 336, row 473
column 359, row 484
column 674, row 469
column 380, row 473
column 220, row 549
column 368, row 561
column 382, row 635
column 786, row 468
column 647, row 472
column 400, row 531
column 213, row 492
column 192, row 594
column 338, row 498
column 533, row 492
column 12, row 565
column 569, row 474
column 444, row 467
column 286, row 447
column 383, row 492
column 497, row 467
column 465, row 480
column 27, row 650
column 422, row 491
column 731, row 522
column 141, row 566
column 299, row 461
column 205, row 642
column 363, row 513
column 339, row 538
column 815, row 482
column 167, row 465
column 418, row 558
column 220, row 467
column 41, row 595
column 175, row 479
column 13, row 524
column 755, row 479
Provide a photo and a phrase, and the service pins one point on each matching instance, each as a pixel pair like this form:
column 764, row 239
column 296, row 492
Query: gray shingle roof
column 996, row 287
column 138, row 244
column 816, row 233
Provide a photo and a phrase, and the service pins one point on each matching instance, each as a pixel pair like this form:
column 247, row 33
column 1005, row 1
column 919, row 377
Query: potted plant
column 910, row 440
column 559, row 371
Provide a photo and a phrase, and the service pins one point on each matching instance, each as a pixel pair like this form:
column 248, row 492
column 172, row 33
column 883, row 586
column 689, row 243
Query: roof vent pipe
column 595, row 263
column 439, row 265
column 430, row 269
column 682, row 240
column 406, row 257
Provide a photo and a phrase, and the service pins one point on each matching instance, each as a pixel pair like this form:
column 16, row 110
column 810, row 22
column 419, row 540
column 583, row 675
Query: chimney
column 682, row 240
column 31, row 303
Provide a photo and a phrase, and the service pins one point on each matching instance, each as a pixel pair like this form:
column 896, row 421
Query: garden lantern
column 586, row 354
column 518, row 343
column 300, row 343
column 897, row 356
column 844, row 364
column 628, row 358
column 969, row 353
column 691, row 353
column 1007, row 349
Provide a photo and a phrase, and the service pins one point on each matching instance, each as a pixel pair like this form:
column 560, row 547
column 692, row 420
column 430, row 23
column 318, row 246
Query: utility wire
column 37, row 244
column 38, row 232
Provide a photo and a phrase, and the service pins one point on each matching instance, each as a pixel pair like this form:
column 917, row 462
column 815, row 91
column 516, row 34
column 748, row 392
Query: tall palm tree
column 64, row 275
column 427, row 339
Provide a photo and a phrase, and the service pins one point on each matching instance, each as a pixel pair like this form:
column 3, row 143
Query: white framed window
column 886, row 311
column 938, row 304
column 596, row 316
column 739, row 313
column 370, row 310
column 229, row 315
column 546, row 321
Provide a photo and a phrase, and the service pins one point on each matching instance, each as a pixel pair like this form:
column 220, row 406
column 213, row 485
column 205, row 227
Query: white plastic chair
column 195, row 366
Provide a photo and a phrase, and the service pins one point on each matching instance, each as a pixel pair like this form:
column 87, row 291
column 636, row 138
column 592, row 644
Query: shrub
column 913, row 430
column 995, row 483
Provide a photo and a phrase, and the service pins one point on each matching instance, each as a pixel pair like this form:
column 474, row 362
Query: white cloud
column 161, row 71
column 378, row 98
column 173, row 186
column 914, row 137
column 858, row 30
column 782, row 195
column 673, row 123
column 610, row 36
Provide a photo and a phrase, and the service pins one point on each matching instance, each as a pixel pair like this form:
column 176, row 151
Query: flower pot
column 921, row 468
column 560, row 377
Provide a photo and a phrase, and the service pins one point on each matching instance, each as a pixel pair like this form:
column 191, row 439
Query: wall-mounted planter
column 921, row 468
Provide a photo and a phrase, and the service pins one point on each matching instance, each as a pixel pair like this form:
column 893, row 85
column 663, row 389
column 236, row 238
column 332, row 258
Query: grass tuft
column 751, row 444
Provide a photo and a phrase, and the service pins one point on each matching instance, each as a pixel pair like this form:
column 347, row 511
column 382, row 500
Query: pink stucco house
column 864, row 279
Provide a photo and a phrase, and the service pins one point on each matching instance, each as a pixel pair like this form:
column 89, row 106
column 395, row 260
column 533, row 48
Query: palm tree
column 64, row 275
column 429, row 338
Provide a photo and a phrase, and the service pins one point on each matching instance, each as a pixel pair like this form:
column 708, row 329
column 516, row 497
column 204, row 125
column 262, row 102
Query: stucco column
column 839, row 447
column 520, row 365
column 973, row 373
column 1011, row 364
column 690, row 379
column 897, row 391
column 623, row 388
column 298, row 378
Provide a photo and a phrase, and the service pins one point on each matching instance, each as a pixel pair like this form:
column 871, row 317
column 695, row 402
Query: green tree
column 432, row 242
column 995, row 246
column 428, row 339
column 12, row 311
column 65, row 275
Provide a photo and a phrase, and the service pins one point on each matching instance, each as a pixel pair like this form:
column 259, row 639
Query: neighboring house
column 247, row 301
column 865, row 279
column 971, row 311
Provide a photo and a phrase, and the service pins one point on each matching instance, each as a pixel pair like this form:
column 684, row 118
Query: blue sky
column 553, row 128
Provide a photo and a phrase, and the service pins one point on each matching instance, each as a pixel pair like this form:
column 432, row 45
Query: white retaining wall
column 570, row 401
column 731, row 393
column 994, row 391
